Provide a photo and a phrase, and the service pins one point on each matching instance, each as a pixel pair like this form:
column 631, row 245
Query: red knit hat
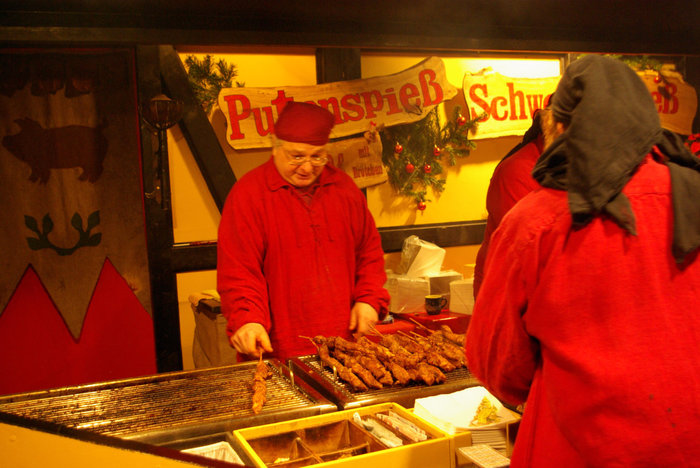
column 301, row 122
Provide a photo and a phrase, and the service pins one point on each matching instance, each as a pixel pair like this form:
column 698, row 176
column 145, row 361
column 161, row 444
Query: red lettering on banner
column 534, row 102
column 407, row 92
column 372, row 96
column 366, row 171
column 480, row 102
column 280, row 101
column 427, row 78
column 501, row 108
column 664, row 105
column 331, row 104
column 260, row 125
column 521, row 100
column 363, row 152
column 391, row 100
column 249, row 111
column 346, row 104
column 235, row 116
column 494, row 108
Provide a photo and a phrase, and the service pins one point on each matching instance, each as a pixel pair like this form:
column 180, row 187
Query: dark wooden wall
column 624, row 26
column 339, row 31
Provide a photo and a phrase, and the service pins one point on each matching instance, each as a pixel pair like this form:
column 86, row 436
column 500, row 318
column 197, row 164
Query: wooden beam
column 443, row 234
column 199, row 257
column 159, row 228
column 337, row 64
column 197, row 129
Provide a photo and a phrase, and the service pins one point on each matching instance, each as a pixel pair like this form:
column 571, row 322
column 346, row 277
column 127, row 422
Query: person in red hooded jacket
column 511, row 181
column 588, row 308
column 298, row 251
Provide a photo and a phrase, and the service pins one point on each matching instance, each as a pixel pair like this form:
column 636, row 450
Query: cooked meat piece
column 332, row 363
column 457, row 338
column 357, row 368
column 259, row 386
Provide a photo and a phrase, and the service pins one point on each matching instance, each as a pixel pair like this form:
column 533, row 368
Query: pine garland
column 412, row 153
column 639, row 63
column 208, row 78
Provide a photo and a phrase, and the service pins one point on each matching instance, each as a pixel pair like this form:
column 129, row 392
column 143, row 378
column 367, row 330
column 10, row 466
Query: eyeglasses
column 314, row 159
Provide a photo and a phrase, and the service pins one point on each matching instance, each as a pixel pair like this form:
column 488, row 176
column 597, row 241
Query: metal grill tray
column 172, row 406
column 309, row 368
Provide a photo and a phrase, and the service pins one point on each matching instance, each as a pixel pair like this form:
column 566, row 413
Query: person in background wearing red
column 589, row 306
column 298, row 250
column 511, row 181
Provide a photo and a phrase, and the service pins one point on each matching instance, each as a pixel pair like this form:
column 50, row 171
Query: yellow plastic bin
column 336, row 440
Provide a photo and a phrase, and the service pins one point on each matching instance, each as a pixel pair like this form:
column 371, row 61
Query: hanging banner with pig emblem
column 73, row 218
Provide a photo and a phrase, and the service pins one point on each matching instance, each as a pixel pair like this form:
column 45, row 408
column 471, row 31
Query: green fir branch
column 207, row 78
column 413, row 153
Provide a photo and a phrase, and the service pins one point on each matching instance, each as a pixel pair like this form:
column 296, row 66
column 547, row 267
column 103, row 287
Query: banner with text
column 360, row 158
column 400, row 98
column 509, row 103
column 676, row 101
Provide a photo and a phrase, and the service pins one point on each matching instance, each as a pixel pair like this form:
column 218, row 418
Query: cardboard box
column 335, row 440
column 420, row 258
column 462, row 296
column 440, row 282
column 407, row 294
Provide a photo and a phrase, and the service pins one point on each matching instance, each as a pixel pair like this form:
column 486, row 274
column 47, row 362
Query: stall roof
column 668, row 27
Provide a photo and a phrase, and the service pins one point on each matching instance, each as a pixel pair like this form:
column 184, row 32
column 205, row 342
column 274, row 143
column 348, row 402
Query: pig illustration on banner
column 44, row 149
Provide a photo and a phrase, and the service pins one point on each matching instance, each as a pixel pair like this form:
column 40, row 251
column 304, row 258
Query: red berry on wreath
column 398, row 148
column 410, row 168
column 421, row 206
column 437, row 151
column 427, row 168
column 461, row 120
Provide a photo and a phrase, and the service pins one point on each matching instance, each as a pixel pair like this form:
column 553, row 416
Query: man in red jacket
column 298, row 250
column 588, row 309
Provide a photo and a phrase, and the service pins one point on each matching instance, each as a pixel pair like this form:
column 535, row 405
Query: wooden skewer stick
column 374, row 329
column 318, row 350
column 403, row 333
column 418, row 335
column 420, row 325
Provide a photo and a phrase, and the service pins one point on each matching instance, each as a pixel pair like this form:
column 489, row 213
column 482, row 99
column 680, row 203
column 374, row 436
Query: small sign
column 676, row 101
column 360, row 158
column 508, row 103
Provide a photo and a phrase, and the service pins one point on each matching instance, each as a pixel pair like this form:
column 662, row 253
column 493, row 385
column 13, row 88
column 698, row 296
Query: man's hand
column 362, row 318
column 251, row 339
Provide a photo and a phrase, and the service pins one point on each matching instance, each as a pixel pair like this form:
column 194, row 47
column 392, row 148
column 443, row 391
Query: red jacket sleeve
column 240, row 280
column 370, row 274
column 499, row 350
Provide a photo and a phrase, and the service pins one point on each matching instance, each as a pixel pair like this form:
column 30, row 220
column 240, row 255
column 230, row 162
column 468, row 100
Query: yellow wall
column 196, row 217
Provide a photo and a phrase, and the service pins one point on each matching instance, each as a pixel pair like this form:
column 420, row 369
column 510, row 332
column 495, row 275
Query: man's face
column 300, row 164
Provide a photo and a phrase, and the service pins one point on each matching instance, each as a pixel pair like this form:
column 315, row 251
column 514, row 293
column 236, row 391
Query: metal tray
column 309, row 368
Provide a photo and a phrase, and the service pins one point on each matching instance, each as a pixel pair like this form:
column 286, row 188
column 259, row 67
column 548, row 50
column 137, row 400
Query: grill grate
column 160, row 402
